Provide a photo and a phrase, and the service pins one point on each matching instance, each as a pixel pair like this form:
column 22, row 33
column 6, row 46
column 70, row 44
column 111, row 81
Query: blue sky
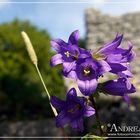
column 60, row 18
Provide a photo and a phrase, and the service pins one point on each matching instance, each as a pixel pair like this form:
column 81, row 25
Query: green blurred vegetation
column 20, row 87
column 82, row 43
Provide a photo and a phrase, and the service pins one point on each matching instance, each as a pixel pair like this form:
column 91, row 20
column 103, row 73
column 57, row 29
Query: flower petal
column 62, row 119
column 71, row 94
column 127, row 100
column 104, row 67
column 56, row 59
column 133, row 54
column 57, row 103
column 114, row 58
column 128, row 54
column 110, row 47
column 77, row 124
column 122, row 55
column 89, row 111
column 73, row 39
column 116, row 67
column 87, row 87
column 127, row 73
column 72, row 74
column 68, row 66
column 57, row 44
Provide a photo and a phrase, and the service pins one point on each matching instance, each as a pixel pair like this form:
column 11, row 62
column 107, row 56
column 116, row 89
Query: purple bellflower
column 115, row 55
column 87, row 72
column 72, row 110
column 67, row 52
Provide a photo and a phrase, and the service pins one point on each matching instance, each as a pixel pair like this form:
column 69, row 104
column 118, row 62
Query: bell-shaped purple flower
column 87, row 72
column 119, row 87
column 72, row 110
column 67, row 52
column 115, row 55
column 120, row 55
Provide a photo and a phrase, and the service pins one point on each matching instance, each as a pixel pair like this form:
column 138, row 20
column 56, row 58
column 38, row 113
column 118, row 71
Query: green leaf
column 92, row 137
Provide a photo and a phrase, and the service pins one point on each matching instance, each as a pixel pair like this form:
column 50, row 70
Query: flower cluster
column 86, row 67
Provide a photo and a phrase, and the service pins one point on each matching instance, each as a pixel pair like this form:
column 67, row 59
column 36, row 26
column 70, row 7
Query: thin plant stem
column 38, row 71
column 54, row 110
column 96, row 114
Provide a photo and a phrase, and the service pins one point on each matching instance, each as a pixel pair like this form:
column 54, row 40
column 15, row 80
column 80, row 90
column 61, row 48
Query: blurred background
column 24, row 110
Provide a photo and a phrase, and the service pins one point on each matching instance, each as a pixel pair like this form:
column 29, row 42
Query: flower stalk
column 40, row 76
column 96, row 114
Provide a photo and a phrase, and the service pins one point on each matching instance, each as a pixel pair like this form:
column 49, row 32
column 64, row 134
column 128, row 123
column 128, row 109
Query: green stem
column 96, row 114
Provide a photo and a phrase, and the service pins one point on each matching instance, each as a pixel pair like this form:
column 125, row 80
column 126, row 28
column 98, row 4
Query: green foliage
column 82, row 43
column 20, row 86
column 92, row 137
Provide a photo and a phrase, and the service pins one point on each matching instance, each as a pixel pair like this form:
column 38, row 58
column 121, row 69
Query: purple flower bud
column 119, row 87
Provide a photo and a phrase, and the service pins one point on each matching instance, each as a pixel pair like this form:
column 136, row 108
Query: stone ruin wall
column 101, row 28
